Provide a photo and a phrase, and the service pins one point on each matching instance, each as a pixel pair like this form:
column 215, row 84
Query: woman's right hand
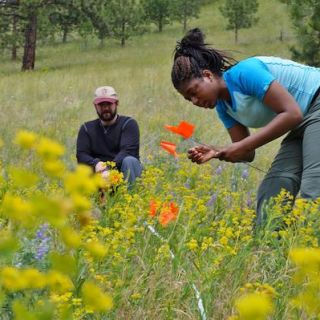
column 201, row 154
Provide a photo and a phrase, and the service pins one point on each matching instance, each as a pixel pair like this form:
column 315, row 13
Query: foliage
column 184, row 10
column 240, row 14
column 305, row 16
column 84, row 258
column 66, row 17
column 126, row 19
column 158, row 12
column 10, row 30
column 96, row 15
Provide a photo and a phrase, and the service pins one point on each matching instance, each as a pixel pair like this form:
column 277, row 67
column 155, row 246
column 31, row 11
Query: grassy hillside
column 125, row 263
column 57, row 97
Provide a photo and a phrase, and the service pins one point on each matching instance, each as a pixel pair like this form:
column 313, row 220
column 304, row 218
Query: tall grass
column 57, row 97
column 146, row 282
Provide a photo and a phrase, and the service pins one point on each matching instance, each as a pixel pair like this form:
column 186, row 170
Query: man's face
column 107, row 111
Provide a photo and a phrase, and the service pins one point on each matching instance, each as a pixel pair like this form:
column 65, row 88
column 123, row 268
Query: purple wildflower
column 219, row 170
column 249, row 200
column 245, row 174
column 187, row 185
column 212, row 200
column 42, row 239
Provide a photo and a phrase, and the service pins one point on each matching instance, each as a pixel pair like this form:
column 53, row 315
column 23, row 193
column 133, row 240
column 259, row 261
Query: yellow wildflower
column 254, row 306
column 76, row 301
column 136, row 296
column 11, row 279
column 54, row 168
column 70, row 238
column 34, row 278
column 26, row 139
column 80, row 203
column 59, row 282
column 54, row 209
column 49, row 149
column 22, row 178
column 17, row 209
column 81, row 181
column 95, row 299
column 96, row 249
column 192, row 244
column 224, row 240
column 307, row 259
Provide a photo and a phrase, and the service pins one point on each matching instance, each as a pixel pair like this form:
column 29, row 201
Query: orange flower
column 153, row 208
column 169, row 212
column 169, row 147
column 184, row 129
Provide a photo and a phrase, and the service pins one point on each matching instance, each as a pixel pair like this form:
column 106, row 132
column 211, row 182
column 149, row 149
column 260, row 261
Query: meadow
column 181, row 244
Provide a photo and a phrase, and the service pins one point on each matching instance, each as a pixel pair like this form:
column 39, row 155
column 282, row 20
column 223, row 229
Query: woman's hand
column 235, row 153
column 202, row 154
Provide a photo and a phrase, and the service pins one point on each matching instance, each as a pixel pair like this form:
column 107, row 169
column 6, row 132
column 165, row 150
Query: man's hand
column 100, row 167
column 202, row 154
column 105, row 175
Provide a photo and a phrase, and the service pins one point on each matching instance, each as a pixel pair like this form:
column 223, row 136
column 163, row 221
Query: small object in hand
column 100, row 166
column 105, row 174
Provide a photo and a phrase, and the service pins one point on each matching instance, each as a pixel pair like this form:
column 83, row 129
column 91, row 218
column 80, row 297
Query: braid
column 184, row 68
column 192, row 55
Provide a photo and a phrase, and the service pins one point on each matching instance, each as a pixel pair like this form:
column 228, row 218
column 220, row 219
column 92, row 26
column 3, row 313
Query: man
column 111, row 137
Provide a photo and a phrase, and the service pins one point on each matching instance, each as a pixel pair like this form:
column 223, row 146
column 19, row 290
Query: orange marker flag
column 184, row 129
column 169, row 147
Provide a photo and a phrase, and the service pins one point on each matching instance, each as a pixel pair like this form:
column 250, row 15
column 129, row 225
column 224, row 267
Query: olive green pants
column 296, row 167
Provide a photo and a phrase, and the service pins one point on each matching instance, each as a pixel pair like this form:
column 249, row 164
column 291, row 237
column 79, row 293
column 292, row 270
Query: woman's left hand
column 233, row 153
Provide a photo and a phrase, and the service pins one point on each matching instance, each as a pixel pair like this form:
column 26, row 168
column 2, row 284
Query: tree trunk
column 160, row 25
column 101, row 44
column 29, row 54
column 65, row 34
column 14, row 47
column 281, row 35
column 184, row 18
column 123, row 30
column 185, row 23
column 236, row 35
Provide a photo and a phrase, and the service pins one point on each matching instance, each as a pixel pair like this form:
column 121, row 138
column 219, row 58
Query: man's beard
column 107, row 115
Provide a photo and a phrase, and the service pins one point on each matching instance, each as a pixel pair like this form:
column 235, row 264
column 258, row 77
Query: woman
column 279, row 96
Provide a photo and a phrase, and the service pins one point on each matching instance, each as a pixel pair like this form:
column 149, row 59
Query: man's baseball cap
column 105, row 94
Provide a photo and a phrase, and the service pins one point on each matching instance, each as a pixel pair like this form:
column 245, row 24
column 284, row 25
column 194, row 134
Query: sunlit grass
column 57, row 97
column 212, row 240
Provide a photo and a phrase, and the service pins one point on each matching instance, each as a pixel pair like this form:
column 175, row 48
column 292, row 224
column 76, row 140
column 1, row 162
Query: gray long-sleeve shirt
column 108, row 143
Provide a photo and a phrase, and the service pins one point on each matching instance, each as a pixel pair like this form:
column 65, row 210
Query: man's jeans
column 131, row 169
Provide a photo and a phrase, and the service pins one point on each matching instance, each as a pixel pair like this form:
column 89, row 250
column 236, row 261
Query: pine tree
column 240, row 14
column 158, row 12
column 306, row 19
column 27, row 13
column 184, row 10
column 126, row 19
column 96, row 14
column 11, row 35
column 65, row 17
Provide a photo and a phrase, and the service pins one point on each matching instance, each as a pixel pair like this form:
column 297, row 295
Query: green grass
column 56, row 99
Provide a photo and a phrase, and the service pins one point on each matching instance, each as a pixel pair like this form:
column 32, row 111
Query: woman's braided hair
column 192, row 55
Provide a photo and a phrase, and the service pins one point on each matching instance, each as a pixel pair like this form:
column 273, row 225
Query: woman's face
column 202, row 92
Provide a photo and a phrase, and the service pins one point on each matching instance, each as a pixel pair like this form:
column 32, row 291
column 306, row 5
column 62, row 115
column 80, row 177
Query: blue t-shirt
column 249, row 80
